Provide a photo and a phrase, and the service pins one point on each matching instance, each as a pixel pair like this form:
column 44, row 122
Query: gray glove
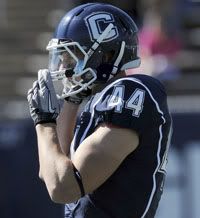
column 43, row 104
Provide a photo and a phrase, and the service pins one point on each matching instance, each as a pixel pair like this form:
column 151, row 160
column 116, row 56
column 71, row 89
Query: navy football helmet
column 92, row 43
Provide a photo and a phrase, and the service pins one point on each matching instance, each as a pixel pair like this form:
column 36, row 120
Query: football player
column 107, row 159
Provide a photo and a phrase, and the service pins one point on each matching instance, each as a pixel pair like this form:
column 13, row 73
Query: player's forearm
column 48, row 149
column 55, row 168
column 65, row 125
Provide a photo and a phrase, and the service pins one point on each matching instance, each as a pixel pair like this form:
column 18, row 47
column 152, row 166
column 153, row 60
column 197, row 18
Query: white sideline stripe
column 160, row 131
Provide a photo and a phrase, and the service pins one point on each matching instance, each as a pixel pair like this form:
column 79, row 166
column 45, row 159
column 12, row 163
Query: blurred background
column 169, row 34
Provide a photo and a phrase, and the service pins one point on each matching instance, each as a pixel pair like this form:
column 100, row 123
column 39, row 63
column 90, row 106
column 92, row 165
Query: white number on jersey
column 134, row 103
column 116, row 99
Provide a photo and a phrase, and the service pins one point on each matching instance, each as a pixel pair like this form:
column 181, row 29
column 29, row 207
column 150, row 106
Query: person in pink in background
column 159, row 46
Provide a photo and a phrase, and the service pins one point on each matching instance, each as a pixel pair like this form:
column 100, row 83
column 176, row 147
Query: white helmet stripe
column 100, row 39
column 119, row 58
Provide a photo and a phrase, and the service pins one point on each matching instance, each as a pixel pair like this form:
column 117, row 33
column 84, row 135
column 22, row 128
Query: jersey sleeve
column 128, row 104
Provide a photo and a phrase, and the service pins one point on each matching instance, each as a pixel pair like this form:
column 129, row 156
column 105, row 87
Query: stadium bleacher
column 22, row 51
column 188, row 59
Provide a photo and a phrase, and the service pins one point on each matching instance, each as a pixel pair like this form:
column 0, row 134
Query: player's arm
column 101, row 153
column 66, row 124
column 67, row 119
column 56, row 169
column 96, row 159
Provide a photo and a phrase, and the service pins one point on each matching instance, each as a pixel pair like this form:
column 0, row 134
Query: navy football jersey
column 137, row 102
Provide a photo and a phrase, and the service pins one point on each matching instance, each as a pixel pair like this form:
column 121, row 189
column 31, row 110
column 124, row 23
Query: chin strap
column 118, row 60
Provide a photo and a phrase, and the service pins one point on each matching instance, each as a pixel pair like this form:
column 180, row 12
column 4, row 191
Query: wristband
column 72, row 100
column 44, row 117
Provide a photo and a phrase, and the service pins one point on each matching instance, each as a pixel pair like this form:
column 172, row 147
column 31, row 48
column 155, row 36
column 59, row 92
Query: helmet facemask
column 67, row 62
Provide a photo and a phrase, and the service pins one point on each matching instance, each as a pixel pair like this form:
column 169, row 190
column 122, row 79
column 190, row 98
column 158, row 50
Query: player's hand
column 43, row 104
column 79, row 97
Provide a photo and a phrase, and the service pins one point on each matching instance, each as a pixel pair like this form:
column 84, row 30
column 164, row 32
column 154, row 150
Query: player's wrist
column 46, row 129
column 45, row 125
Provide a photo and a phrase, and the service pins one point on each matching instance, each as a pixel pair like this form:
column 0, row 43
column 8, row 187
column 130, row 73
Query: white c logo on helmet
column 96, row 24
